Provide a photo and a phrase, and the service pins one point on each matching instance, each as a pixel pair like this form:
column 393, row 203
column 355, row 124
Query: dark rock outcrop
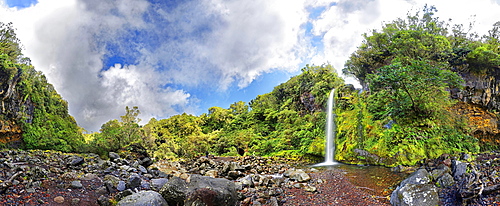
column 200, row 190
column 481, row 89
column 13, row 108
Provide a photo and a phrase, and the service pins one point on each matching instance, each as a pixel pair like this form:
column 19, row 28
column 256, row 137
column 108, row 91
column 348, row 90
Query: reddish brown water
column 377, row 180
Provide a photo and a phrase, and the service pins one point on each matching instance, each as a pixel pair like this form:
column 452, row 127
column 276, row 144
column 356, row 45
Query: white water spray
column 330, row 132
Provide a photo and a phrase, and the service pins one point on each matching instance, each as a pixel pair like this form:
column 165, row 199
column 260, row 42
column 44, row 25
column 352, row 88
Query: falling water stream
column 330, row 132
column 379, row 180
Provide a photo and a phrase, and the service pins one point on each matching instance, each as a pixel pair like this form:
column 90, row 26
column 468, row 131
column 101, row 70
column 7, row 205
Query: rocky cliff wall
column 481, row 89
column 14, row 108
column 480, row 104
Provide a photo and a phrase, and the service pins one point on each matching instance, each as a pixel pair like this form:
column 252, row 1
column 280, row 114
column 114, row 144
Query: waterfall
column 330, row 132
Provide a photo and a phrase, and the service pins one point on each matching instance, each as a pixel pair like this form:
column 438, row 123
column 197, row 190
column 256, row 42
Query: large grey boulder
column 143, row 198
column 416, row 190
column 415, row 195
column 174, row 191
column 199, row 191
column 420, row 176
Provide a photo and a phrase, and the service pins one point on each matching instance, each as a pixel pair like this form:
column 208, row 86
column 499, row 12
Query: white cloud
column 198, row 43
column 210, row 44
column 236, row 41
column 342, row 25
column 65, row 40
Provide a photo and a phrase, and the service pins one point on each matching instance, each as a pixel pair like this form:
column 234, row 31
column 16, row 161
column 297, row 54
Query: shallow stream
column 377, row 180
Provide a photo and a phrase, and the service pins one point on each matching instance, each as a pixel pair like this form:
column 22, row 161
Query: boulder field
column 38, row 177
column 448, row 180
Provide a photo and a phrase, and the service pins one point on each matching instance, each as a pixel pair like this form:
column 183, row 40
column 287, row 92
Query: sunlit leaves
column 415, row 90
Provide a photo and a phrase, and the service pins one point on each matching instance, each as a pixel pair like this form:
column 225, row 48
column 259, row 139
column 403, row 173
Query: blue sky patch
column 21, row 4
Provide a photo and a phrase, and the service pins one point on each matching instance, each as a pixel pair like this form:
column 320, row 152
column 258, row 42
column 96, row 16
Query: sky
column 172, row 57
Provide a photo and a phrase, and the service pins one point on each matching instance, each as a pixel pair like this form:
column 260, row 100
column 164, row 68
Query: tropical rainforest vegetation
column 403, row 113
column 37, row 107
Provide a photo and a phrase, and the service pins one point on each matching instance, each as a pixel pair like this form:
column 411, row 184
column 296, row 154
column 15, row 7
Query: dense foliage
column 408, row 69
column 403, row 113
column 41, row 111
column 288, row 121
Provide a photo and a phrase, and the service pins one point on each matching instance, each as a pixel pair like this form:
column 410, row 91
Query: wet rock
column 225, row 189
column 37, row 173
column 465, row 156
column 145, row 185
column 143, row 198
column 447, row 162
column 278, row 181
column 247, row 181
column 90, row 176
column 274, row 201
column 369, row 157
column 415, row 195
column 201, row 197
column 233, row 175
column 70, row 176
column 102, row 190
column 309, row 188
column 403, row 169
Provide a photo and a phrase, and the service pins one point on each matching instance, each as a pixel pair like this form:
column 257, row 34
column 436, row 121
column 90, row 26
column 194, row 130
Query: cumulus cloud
column 229, row 41
column 341, row 25
column 68, row 40
column 166, row 50
column 203, row 43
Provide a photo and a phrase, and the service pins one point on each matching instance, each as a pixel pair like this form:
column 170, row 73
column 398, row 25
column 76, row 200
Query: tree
column 417, row 37
column 116, row 134
column 415, row 90
column 10, row 45
column 130, row 125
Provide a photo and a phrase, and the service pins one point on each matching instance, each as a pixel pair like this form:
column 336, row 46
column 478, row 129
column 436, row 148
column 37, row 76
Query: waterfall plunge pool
column 379, row 181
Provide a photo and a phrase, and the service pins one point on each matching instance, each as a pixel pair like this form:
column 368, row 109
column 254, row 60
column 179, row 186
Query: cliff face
column 480, row 104
column 14, row 108
column 482, row 89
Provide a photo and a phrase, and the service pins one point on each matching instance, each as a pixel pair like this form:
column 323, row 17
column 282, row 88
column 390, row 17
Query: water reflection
column 376, row 180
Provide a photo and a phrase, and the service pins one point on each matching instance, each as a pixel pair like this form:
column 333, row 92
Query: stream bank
column 37, row 177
